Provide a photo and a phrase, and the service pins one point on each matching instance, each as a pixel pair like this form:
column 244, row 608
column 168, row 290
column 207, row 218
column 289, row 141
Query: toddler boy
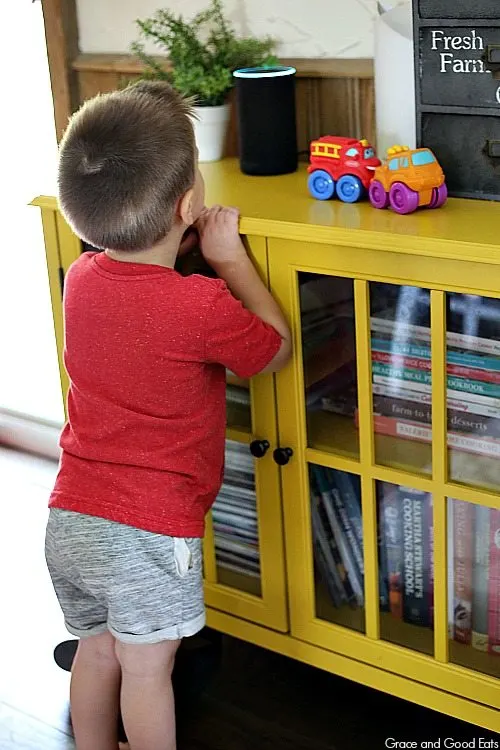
column 142, row 451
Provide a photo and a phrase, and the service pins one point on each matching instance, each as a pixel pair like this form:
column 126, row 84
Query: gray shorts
column 142, row 587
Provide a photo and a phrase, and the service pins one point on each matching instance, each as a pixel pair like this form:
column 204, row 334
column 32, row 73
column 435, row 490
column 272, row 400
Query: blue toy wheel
column 350, row 189
column 321, row 185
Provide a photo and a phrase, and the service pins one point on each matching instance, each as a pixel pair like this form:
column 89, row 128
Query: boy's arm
column 223, row 249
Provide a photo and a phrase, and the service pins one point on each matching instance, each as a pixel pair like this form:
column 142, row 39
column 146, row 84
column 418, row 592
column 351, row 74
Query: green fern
column 203, row 52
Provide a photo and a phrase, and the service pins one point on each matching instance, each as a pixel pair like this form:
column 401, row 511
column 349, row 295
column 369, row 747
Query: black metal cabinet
column 457, row 69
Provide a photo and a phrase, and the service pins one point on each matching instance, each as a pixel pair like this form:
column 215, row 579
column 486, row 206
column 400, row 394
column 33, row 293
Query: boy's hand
column 220, row 241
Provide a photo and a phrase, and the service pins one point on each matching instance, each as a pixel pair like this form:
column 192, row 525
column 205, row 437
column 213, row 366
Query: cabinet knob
column 259, row 448
column 282, row 456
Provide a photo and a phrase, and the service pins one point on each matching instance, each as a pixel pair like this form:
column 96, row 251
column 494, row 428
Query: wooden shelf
column 361, row 68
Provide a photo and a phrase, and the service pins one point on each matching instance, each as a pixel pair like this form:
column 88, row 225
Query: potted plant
column 203, row 52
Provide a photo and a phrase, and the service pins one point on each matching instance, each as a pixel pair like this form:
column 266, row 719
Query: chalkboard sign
column 457, row 71
column 455, row 66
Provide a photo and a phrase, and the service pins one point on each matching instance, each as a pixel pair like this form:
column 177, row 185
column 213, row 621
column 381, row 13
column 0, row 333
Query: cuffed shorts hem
column 80, row 633
column 175, row 633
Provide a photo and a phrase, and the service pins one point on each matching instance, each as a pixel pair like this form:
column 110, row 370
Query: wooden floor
column 257, row 701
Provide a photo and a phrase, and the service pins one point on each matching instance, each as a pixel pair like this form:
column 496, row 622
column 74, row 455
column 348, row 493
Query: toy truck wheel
column 378, row 197
column 439, row 196
column 349, row 189
column 321, row 185
column 403, row 199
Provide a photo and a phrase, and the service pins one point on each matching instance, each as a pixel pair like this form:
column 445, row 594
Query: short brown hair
column 125, row 160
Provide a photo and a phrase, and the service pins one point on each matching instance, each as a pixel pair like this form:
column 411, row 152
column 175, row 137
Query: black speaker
column 266, row 119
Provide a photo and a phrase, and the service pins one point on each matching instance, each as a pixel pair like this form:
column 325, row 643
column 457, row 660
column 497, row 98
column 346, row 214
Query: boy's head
column 128, row 167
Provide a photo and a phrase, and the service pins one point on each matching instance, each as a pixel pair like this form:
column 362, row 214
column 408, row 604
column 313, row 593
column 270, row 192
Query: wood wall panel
column 333, row 96
column 61, row 36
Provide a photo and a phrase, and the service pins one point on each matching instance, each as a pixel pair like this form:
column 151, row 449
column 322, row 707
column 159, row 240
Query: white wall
column 306, row 28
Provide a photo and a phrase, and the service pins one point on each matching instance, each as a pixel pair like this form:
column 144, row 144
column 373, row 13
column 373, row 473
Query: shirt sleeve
column 236, row 337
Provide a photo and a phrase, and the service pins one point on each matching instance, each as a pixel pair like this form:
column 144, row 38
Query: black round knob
column 282, row 456
column 259, row 448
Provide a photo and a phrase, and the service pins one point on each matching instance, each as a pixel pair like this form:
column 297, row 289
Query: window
column 29, row 377
column 394, row 163
column 403, row 162
column 421, row 158
column 352, row 152
column 369, row 153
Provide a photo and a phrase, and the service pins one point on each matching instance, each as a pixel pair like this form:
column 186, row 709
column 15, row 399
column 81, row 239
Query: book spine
column 351, row 498
column 395, row 391
column 457, row 421
column 494, row 585
column 324, row 558
column 391, row 522
column 463, row 518
column 340, row 573
column 414, row 431
column 415, row 533
column 450, row 535
column 396, row 360
column 396, row 383
column 348, row 531
column 326, row 575
column 403, row 331
column 480, row 573
column 383, row 580
column 345, row 552
column 453, row 357
column 429, row 558
column 420, row 377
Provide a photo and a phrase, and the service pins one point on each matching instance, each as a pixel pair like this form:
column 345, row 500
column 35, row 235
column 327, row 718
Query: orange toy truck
column 409, row 179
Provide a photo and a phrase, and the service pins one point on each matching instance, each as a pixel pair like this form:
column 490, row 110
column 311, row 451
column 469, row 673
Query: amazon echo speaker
column 266, row 120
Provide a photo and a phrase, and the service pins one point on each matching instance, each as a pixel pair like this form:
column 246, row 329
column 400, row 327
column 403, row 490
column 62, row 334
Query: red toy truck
column 341, row 166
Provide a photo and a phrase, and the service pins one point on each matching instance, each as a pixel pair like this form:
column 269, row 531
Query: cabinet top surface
column 281, row 207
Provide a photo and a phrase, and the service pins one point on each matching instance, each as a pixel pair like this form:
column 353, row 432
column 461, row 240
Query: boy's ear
column 185, row 208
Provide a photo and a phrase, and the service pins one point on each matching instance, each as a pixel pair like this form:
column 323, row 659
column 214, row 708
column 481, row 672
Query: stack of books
column 406, row 552
column 234, row 514
column 474, row 575
column 401, row 366
column 406, row 555
column 338, row 535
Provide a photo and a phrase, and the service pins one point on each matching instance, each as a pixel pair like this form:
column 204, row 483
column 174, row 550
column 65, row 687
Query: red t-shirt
column 146, row 351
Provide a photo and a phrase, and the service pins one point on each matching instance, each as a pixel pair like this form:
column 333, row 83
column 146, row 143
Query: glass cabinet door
column 406, row 566
column 337, row 546
column 235, row 523
column 376, row 565
column 473, row 389
column 474, row 586
column 400, row 334
column 243, row 547
column 329, row 362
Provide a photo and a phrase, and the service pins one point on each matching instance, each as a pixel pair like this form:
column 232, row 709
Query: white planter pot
column 210, row 127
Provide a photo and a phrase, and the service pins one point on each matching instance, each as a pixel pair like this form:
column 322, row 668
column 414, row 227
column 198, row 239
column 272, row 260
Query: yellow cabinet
column 358, row 526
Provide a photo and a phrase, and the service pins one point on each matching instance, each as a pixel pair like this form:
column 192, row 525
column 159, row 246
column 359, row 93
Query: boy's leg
column 147, row 698
column 95, row 693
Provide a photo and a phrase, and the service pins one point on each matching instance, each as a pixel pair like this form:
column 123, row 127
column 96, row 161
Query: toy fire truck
column 341, row 166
